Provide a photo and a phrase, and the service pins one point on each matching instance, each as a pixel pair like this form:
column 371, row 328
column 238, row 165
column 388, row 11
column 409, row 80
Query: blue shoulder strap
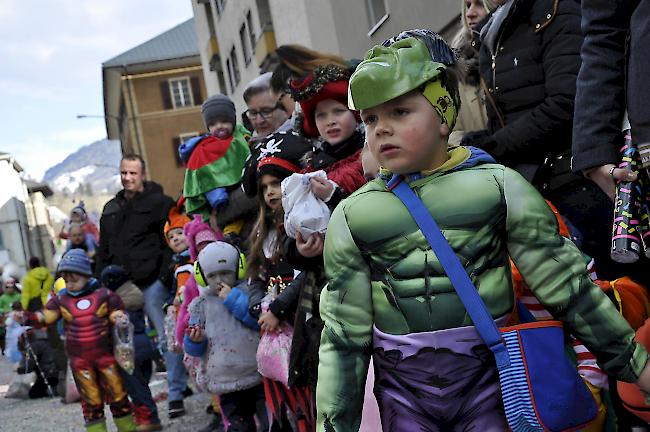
column 463, row 285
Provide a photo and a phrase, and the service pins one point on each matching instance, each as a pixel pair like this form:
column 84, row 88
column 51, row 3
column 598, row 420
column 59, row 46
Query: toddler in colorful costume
column 225, row 336
column 88, row 311
column 215, row 160
column 388, row 295
column 181, row 262
column 198, row 234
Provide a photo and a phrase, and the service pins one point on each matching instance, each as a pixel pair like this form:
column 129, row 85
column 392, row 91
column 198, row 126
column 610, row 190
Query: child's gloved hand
column 482, row 139
column 195, row 333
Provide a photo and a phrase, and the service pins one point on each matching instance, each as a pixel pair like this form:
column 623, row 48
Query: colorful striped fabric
column 514, row 389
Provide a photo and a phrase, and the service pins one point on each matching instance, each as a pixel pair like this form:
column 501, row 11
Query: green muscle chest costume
column 383, row 273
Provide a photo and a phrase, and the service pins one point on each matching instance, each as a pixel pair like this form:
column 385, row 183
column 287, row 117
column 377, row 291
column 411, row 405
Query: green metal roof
column 177, row 42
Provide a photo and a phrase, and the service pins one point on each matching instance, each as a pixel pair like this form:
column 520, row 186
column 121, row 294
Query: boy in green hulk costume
column 388, row 295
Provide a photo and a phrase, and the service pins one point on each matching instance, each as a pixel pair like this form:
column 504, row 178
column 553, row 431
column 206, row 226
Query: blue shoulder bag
column 540, row 386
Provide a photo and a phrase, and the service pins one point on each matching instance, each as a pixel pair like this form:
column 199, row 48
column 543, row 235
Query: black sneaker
column 176, row 409
column 187, row 392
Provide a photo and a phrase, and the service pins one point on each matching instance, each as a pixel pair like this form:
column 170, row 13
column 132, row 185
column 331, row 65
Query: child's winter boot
column 145, row 420
column 97, row 426
column 124, row 423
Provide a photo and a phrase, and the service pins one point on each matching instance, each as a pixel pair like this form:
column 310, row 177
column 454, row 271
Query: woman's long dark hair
column 263, row 225
column 297, row 61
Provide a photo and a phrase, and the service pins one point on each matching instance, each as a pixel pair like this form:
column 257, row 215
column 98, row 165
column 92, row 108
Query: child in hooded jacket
column 222, row 332
column 198, row 235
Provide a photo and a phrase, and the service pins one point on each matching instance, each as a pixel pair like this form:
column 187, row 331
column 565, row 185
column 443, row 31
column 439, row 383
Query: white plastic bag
column 303, row 212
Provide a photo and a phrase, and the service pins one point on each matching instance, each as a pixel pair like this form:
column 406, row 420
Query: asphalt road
column 50, row 414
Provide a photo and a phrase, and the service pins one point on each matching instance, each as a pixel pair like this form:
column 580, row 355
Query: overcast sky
column 51, row 53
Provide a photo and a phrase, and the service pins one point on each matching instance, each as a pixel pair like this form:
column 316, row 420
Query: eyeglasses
column 265, row 113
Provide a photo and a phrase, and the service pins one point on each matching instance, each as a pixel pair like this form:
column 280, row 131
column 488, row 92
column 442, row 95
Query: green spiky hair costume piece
column 415, row 59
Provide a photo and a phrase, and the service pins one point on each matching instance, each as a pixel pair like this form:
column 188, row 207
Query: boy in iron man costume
column 88, row 311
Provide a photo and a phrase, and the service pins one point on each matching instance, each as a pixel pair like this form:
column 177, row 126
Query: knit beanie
column 75, row 261
column 175, row 219
column 218, row 107
column 113, row 277
column 219, row 256
column 197, row 232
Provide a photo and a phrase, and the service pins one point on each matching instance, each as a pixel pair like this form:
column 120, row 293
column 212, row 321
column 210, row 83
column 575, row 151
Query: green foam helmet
column 389, row 72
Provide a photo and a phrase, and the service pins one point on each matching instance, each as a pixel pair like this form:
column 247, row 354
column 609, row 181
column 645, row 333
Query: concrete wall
column 227, row 27
column 290, row 22
column 41, row 233
column 13, row 217
column 203, row 33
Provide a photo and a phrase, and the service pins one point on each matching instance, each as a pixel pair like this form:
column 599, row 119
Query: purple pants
column 444, row 380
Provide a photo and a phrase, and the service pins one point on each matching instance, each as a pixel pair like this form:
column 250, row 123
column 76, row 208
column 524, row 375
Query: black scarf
column 329, row 154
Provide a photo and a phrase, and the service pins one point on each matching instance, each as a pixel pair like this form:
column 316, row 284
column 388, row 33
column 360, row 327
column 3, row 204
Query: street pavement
column 50, row 414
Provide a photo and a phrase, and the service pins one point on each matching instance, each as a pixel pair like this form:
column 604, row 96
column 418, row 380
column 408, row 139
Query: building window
column 243, row 36
column 230, row 76
column 233, row 69
column 251, row 33
column 222, row 81
column 208, row 13
column 181, row 92
column 185, row 136
column 221, row 5
column 215, row 65
column 177, row 141
column 377, row 14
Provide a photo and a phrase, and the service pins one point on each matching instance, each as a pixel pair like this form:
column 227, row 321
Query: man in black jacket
column 131, row 235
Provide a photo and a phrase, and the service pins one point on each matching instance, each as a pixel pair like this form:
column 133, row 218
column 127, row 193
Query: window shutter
column 176, row 142
column 196, row 90
column 166, row 95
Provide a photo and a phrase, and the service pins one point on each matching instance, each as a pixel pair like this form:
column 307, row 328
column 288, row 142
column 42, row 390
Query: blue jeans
column 154, row 298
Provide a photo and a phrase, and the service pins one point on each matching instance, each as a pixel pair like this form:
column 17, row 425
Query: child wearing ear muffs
column 224, row 335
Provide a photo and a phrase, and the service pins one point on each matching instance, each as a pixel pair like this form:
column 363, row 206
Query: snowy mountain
column 91, row 169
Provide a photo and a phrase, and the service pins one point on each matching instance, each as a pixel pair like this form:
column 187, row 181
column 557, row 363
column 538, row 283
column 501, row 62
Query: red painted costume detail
column 87, row 326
